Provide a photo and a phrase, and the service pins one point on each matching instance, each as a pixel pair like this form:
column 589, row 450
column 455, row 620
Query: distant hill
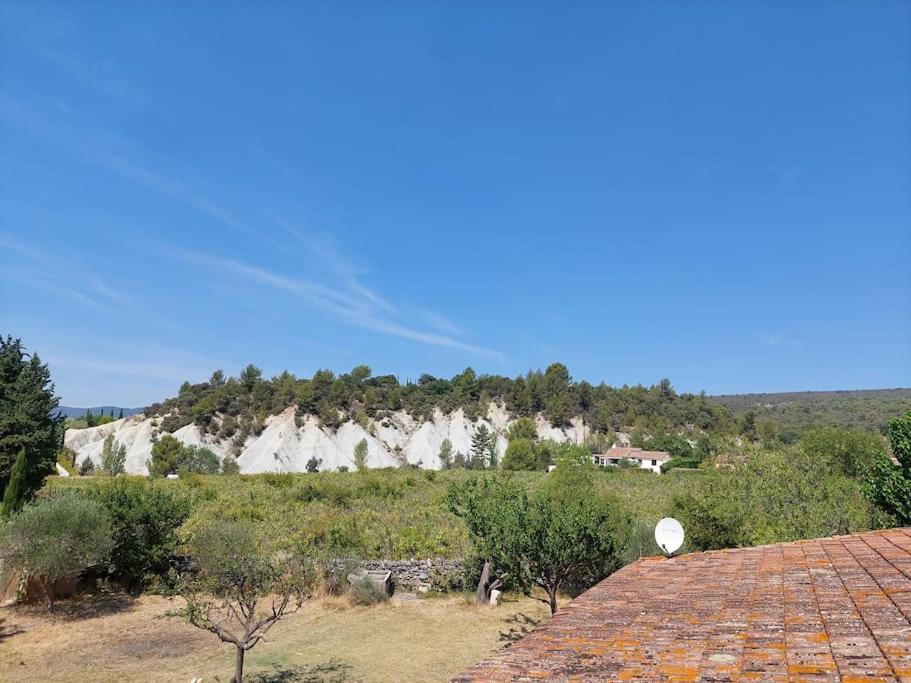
column 69, row 411
column 795, row 411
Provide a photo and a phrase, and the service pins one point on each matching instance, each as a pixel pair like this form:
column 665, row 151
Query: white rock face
column 284, row 447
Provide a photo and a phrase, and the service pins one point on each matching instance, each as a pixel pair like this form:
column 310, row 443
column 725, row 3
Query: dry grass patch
column 328, row 640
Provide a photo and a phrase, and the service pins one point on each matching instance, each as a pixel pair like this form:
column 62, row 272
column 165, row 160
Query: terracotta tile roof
column 629, row 452
column 824, row 610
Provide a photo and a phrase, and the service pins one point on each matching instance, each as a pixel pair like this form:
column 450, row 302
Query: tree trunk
column 239, row 666
column 482, row 595
column 552, row 594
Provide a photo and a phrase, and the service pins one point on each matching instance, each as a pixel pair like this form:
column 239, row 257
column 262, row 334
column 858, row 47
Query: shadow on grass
column 83, row 606
column 520, row 625
column 7, row 630
column 333, row 671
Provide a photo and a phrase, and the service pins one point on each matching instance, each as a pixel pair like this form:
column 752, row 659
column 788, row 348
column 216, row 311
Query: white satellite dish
column 669, row 535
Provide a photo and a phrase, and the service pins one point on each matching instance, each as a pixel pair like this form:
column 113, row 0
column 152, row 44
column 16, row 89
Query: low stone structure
column 418, row 576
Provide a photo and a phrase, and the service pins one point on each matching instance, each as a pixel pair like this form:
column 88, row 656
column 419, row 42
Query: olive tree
column 241, row 585
column 56, row 538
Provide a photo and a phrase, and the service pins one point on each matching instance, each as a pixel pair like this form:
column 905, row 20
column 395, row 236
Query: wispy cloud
column 41, row 270
column 358, row 312
column 352, row 301
column 439, row 322
column 322, row 246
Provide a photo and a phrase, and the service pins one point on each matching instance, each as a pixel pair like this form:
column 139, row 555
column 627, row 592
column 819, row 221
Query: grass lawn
column 114, row 637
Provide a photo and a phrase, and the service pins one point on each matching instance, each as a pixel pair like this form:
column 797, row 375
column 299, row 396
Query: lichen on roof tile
column 829, row 609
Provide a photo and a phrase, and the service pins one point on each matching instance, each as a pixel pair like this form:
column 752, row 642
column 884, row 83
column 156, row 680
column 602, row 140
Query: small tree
column 313, row 464
column 521, row 454
column 238, row 571
column 167, row 456
column 113, row 456
column 360, row 455
column 493, row 453
column 480, row 446
column 523, row 428
column 567, row 533
column 87, row 467
column 445, row 454
column 56, row 538
column 197, row 460
column 14, row 496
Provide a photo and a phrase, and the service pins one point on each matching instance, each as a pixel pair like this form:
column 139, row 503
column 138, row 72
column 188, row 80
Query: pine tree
column 119, row 417
column 14, row 496
column 29, row 416
column 480, row 447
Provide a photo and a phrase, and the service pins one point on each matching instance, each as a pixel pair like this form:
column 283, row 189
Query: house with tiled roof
column 650, row 460
column 831, row 609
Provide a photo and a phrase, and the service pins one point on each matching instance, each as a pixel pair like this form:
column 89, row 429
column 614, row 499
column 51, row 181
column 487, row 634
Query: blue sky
column 718, row 193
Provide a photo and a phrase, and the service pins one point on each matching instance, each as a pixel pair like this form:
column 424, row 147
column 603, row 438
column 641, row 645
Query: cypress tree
column 14, row 496
column 119, row 417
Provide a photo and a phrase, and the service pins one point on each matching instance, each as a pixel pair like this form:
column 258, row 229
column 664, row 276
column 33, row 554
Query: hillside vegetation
column 236, row 407
column 794, row 412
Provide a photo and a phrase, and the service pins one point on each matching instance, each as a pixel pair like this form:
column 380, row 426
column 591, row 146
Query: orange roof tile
column 829, row 609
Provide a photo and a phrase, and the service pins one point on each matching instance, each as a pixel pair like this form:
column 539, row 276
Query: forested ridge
column 228, row 405
column 794, row 411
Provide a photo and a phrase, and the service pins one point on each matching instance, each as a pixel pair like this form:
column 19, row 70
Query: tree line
column 234, row 407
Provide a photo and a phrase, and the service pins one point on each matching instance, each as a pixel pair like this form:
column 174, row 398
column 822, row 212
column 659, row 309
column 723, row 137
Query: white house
column 649, row 460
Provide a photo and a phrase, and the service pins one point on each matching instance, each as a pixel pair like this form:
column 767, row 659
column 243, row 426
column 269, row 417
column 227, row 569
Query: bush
column 443, row 581
column 772, row 497
column 145, row 523
column 57, row 537
column 366, row 592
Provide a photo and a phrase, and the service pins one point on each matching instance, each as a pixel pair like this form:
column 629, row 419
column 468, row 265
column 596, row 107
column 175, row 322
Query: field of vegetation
column 402, row 513
column 377, row 514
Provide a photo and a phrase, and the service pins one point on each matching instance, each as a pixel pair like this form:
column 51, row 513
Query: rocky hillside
column 286, row 444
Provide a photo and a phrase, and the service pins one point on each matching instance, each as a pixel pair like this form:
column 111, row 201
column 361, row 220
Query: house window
column 654, row 463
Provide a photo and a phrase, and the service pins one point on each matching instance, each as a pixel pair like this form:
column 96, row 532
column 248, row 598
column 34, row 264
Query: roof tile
column 829, row 609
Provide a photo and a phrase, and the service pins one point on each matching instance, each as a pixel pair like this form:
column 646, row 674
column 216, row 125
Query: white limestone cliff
column 284, row 447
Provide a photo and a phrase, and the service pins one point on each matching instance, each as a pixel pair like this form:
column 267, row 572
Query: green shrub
column 772, row 497
column 145, row 521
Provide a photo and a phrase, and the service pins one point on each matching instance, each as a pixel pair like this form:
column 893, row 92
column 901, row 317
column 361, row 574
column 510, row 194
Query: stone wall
column 420, row 576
